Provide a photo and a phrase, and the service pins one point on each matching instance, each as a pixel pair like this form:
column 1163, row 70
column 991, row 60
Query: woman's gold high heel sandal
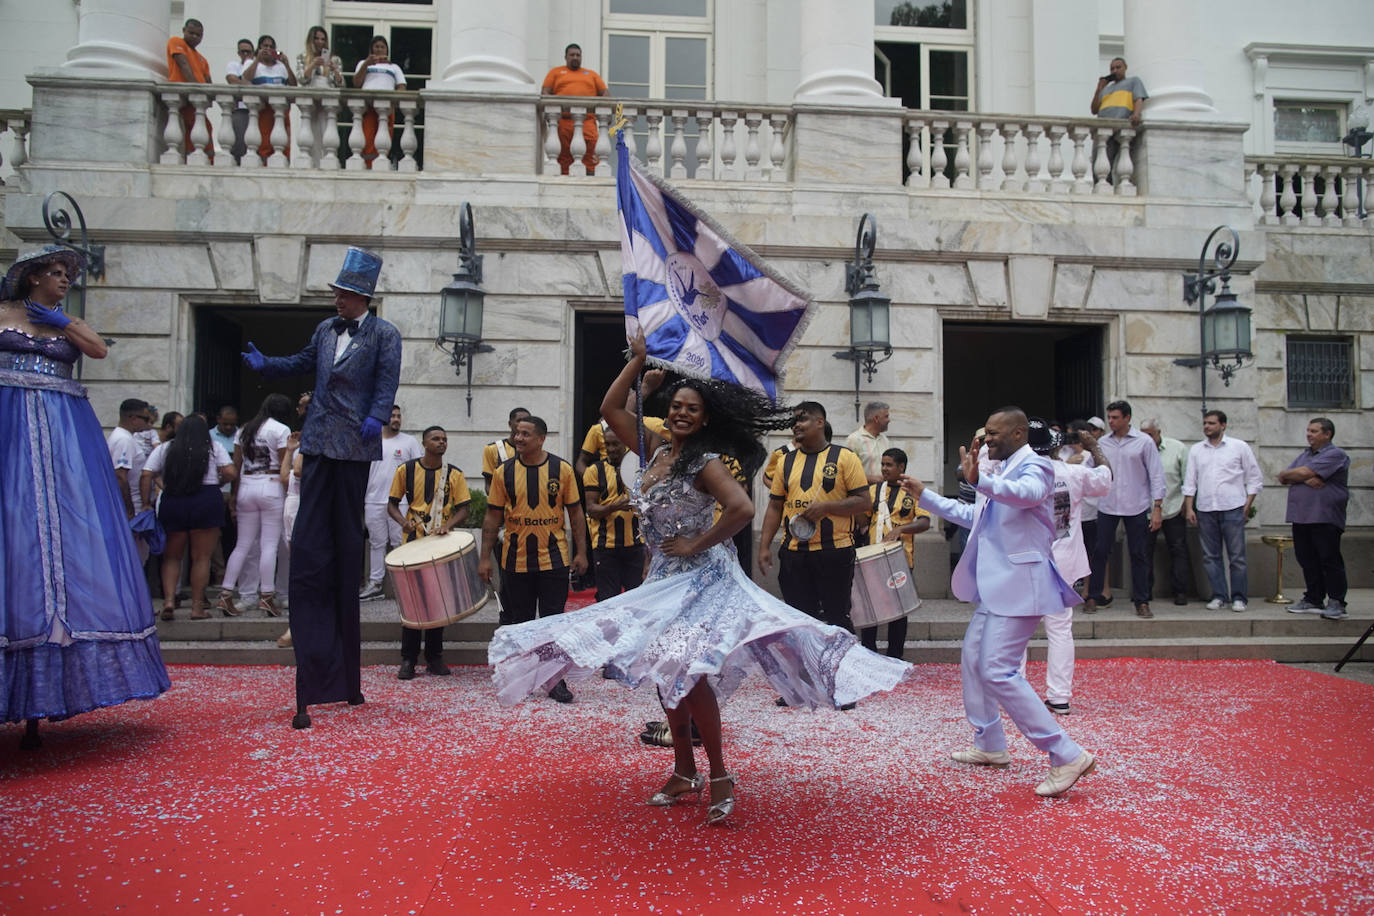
column 720, row 810
column 226, row 604
column 267, row 603
column 694, row 785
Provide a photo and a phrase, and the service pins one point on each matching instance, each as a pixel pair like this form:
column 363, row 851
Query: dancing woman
column 258, row 500
column 76, row 622
column 697, row 625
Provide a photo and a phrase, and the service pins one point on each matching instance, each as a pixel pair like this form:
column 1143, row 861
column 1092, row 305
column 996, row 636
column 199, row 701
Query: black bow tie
column 346, row 324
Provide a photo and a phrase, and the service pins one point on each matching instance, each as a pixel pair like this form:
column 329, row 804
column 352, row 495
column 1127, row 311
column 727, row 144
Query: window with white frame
column 1308, row 126
column 655, row 49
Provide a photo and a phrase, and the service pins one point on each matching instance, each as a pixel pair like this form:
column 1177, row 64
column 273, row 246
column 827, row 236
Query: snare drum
column 436, row 580
column 883, row 587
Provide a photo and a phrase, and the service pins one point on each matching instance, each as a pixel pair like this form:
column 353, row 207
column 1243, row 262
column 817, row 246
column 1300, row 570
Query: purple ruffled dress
column 76, row 621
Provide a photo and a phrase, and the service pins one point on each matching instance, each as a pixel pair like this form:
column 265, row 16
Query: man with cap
column 356, row 358
column 1008, row 572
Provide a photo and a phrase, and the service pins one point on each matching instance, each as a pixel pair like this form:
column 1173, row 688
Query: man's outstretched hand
column 372, row 428
column 253, row 358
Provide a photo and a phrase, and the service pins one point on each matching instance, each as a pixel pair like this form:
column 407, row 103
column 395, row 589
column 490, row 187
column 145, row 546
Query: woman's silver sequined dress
column 693, row 616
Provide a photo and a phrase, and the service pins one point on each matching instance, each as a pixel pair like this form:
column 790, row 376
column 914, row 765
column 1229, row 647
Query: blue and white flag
column 709, row 307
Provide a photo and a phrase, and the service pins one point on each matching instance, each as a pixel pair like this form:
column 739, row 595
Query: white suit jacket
column 1008, row 565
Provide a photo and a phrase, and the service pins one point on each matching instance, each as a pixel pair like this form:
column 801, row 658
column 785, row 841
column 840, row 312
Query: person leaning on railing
column 187, row 65
column 376, row 73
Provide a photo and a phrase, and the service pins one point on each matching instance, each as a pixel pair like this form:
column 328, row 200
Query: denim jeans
column 1215, row 529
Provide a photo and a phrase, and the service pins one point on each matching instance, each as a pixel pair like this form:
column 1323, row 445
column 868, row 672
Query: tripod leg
column 1355, row 648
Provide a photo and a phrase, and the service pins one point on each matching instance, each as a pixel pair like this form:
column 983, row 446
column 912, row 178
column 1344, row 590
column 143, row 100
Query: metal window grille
column 1321, row 372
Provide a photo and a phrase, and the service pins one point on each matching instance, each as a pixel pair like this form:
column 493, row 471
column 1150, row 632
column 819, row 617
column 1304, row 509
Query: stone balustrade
column 286, row 127
column 992, row 152
column 14, row 134
column 1310, row 190
column 721, row 141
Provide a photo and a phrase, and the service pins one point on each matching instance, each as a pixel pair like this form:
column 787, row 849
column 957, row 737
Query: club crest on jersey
column 552, row 487
column 830, row 470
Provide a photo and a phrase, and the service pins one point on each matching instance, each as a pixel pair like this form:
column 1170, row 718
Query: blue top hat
column 12, row 285
column 359, row 272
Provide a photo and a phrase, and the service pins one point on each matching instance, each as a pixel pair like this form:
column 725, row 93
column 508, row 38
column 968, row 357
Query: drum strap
column 501, row 451
column 884, row 516
column 436, row 507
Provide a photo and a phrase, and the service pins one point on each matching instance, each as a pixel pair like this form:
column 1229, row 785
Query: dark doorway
column 222, row 334
column 599, row 348
column 1052, row 371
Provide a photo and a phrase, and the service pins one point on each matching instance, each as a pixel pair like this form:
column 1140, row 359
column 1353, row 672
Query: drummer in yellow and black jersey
column 423, row 482
column 815, row 496
column 892, row 515
column 530, row 495
column 493, row 453
column 617, row 547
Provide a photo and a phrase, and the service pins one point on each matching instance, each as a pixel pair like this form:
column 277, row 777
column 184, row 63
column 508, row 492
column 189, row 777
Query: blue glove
column 253, row 358
column 372, row 429
column 40, row 315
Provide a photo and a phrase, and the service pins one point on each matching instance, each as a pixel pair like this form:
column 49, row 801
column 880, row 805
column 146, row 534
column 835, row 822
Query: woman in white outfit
column 316, row 68
column 258, row 499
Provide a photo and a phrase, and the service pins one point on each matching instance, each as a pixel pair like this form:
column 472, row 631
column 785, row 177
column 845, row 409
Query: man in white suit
column 1007, row 571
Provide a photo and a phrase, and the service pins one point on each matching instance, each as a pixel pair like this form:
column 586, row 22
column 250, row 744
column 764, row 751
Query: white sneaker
column 1214, row 604
column 1239, row 605
column 981, row 758
column 1062, row 778
column 373, row 590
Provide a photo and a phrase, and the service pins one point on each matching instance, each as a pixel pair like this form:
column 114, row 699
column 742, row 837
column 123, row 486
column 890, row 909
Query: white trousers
column 994, row 647
column 259, row 511
column 382, row 534
column 1059, row 656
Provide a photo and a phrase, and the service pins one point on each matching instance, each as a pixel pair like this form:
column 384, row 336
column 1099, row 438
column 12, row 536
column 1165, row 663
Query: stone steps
column 933, row 635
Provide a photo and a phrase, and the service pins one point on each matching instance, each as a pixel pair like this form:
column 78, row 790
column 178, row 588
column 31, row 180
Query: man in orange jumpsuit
column 574, row 79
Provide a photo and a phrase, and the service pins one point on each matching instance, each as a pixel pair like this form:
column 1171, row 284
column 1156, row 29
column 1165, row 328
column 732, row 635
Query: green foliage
column 477, row 509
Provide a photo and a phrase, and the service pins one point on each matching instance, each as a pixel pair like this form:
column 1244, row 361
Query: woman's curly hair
column 738, row 419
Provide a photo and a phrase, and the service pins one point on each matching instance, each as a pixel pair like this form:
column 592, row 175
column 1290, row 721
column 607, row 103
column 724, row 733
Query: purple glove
column 253, row 358
column 372, row 429
column 40, row 315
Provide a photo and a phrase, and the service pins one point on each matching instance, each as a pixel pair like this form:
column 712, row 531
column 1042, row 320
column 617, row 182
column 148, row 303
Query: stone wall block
column 928, row 284
column 539, row 274
column 1356, row 313
column 176, row 267
column 1121, row 290
column 914, row 327
column 1071, row 283
column 1283, row 311
column 989, row 283
column 1030, row 280
column 132, row 360
column 1321, row 313
column 107, row 394
column 280, row 262
column 123, row 311
column 829, row 326
column 233, row 263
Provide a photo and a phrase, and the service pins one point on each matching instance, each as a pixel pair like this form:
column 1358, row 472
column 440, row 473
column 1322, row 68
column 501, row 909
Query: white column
column 1165, row 45
column 128, row 37
column 837, row 54
column 488, row 42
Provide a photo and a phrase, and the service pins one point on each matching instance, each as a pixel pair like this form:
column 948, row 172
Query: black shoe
column 1180, row 600
column 848, row 706
column 1059, row 709
column 1104, row 601
column 407, row 671
column 779, row 702
column 1143, row 610
column 300, row 720
column 357, row 700
column 561, row 693
column 438, row 669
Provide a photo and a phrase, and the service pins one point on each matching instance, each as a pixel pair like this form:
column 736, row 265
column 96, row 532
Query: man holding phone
column 1118, row 95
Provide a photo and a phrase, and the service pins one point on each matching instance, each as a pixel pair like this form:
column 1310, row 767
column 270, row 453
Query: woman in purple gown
column 76, row 621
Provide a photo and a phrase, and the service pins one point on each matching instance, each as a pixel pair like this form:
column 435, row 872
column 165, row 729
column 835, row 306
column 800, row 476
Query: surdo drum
column 436, row 580
column 883, row 588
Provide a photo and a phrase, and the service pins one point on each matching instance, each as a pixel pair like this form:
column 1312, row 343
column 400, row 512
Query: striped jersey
column 620, row 528
column 901, row 510
column 594, row 443
column 534, row 499
column 493, row 453
column 829, row 475
column 418, row 485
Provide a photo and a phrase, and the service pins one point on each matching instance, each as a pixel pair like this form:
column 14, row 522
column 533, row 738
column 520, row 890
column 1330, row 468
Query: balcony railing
column 1309, row 190
column 14, row 133
column 288, row 127
column 722, row 141
column 1018, row 153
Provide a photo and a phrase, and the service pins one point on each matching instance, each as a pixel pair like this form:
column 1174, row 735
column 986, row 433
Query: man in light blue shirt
column 1136, row 500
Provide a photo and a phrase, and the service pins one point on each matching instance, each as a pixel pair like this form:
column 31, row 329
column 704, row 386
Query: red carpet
column 1223, row 787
